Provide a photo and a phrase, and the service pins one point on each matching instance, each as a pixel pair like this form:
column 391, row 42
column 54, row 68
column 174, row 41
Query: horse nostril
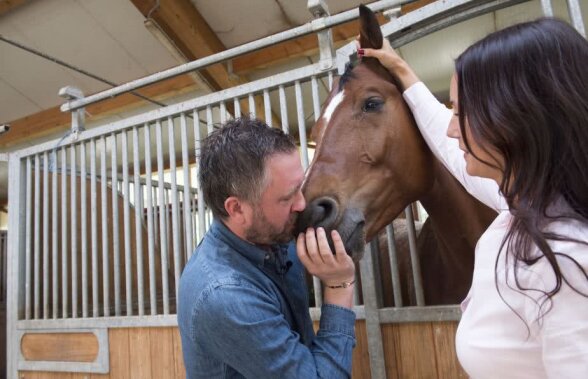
column 324, row 211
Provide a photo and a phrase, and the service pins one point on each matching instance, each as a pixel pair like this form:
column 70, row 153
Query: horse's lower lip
column 355, row 234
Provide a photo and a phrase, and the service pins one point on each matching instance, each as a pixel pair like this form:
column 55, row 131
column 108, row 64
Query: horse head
column 370, row 161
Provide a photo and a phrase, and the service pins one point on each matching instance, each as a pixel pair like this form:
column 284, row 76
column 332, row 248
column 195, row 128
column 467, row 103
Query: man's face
column 275, row 214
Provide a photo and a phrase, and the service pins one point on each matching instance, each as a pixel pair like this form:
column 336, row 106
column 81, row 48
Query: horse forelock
column 347, row 75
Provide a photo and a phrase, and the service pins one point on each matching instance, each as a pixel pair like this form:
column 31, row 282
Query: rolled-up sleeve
column 267, row 347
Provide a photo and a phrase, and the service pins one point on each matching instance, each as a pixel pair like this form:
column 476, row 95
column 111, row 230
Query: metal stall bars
column 140, row 215
column 3, row 255
column 94, row 273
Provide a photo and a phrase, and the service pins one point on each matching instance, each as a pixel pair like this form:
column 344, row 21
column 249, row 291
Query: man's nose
column 299, row 203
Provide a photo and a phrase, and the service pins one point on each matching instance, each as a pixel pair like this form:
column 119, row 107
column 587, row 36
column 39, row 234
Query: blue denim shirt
column 243, row 313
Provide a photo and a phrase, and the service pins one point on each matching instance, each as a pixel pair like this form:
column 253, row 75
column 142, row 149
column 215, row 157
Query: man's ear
column 236, row 209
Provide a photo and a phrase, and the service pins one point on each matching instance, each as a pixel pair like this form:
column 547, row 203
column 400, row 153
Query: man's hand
column 332, row 269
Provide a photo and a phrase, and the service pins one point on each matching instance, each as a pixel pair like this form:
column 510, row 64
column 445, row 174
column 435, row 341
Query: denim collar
column 254, row 253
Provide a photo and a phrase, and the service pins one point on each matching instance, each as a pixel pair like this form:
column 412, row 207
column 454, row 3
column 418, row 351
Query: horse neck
column 458, row 218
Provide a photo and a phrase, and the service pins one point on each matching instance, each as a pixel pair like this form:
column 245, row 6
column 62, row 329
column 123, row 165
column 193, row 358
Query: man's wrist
column 344, row 284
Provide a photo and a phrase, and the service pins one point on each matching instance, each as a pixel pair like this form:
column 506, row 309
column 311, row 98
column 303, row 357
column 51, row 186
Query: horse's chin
column 351, row 228
column 355, row 242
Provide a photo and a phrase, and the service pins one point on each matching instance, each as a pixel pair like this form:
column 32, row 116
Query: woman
column 519, row 143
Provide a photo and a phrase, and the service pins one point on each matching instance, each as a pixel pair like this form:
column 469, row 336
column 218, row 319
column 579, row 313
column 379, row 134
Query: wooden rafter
column 8, row 5
column 52, row 120
column 195, row 39
column 299, row 47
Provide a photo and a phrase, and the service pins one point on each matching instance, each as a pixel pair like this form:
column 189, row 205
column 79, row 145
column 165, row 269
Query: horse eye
column 372, row 104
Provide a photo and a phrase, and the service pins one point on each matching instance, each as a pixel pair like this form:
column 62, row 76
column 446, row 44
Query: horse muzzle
column 325, row 212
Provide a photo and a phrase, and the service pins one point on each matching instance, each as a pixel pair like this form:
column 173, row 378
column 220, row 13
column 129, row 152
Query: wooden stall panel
column 60, row 347
column 143, row 353
column 421, row 350
column 447, row 364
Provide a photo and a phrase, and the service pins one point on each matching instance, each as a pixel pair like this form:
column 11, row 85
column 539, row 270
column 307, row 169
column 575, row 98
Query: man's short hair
column 232, row 161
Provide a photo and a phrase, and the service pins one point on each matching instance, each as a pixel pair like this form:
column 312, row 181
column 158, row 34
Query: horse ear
column 370, row 34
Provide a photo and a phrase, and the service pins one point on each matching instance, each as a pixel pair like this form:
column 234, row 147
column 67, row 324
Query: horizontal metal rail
column 387, row 315
column 314, row 26
column 241, row 91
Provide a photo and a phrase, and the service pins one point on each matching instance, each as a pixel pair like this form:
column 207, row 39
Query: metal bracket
column 78, row 116
column 319, row 10
column 392, row 13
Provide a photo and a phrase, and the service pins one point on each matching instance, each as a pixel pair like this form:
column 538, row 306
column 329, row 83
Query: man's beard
column 262, row 232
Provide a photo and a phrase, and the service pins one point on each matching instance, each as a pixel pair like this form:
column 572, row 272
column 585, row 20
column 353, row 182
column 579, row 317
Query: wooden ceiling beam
column 300, row 47
column 192, row 35
column 8, row 5
column 307, row 45
column 52, row 120
column 195, row 39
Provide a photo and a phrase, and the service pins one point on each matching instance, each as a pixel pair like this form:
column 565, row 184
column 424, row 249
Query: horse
column 371, row 162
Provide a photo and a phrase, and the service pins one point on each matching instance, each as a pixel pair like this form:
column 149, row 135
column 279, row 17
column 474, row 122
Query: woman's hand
column 390, row 59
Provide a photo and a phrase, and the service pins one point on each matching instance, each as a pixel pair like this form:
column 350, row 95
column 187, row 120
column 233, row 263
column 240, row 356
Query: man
column 243, row 302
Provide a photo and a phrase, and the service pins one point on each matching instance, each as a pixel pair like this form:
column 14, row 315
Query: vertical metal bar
column 283, row 109
column 94, row 228
column 127, row 224
column 174, row 202
column 414, row 257
column 115, row 225
column 187, row 186
column 223, row 113
column 150, row 226
column 138, row 218
column 162, row 231
column 155, row 214
column 84, row 229
column 54, row 232
column 105, row 223
column 167, row 223
column 393, row 255
column 315, row 98
column 194, row 217
column 45, row 235
column 330, row 81
column 237, row 106
column 318, row 291
column 209, row 119
column 15, row 263
column 64, row 229
column 301, row 124
column 252, row 109
column 547, row 8
column 268, row 107
column 576, row 16
column 372, row 316
column 37, row 240
column 74, row 234
column 200, row 196
column 28, row 241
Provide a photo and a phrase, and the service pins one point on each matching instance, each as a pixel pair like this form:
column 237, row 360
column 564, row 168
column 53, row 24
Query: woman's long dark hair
column 524, row 92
